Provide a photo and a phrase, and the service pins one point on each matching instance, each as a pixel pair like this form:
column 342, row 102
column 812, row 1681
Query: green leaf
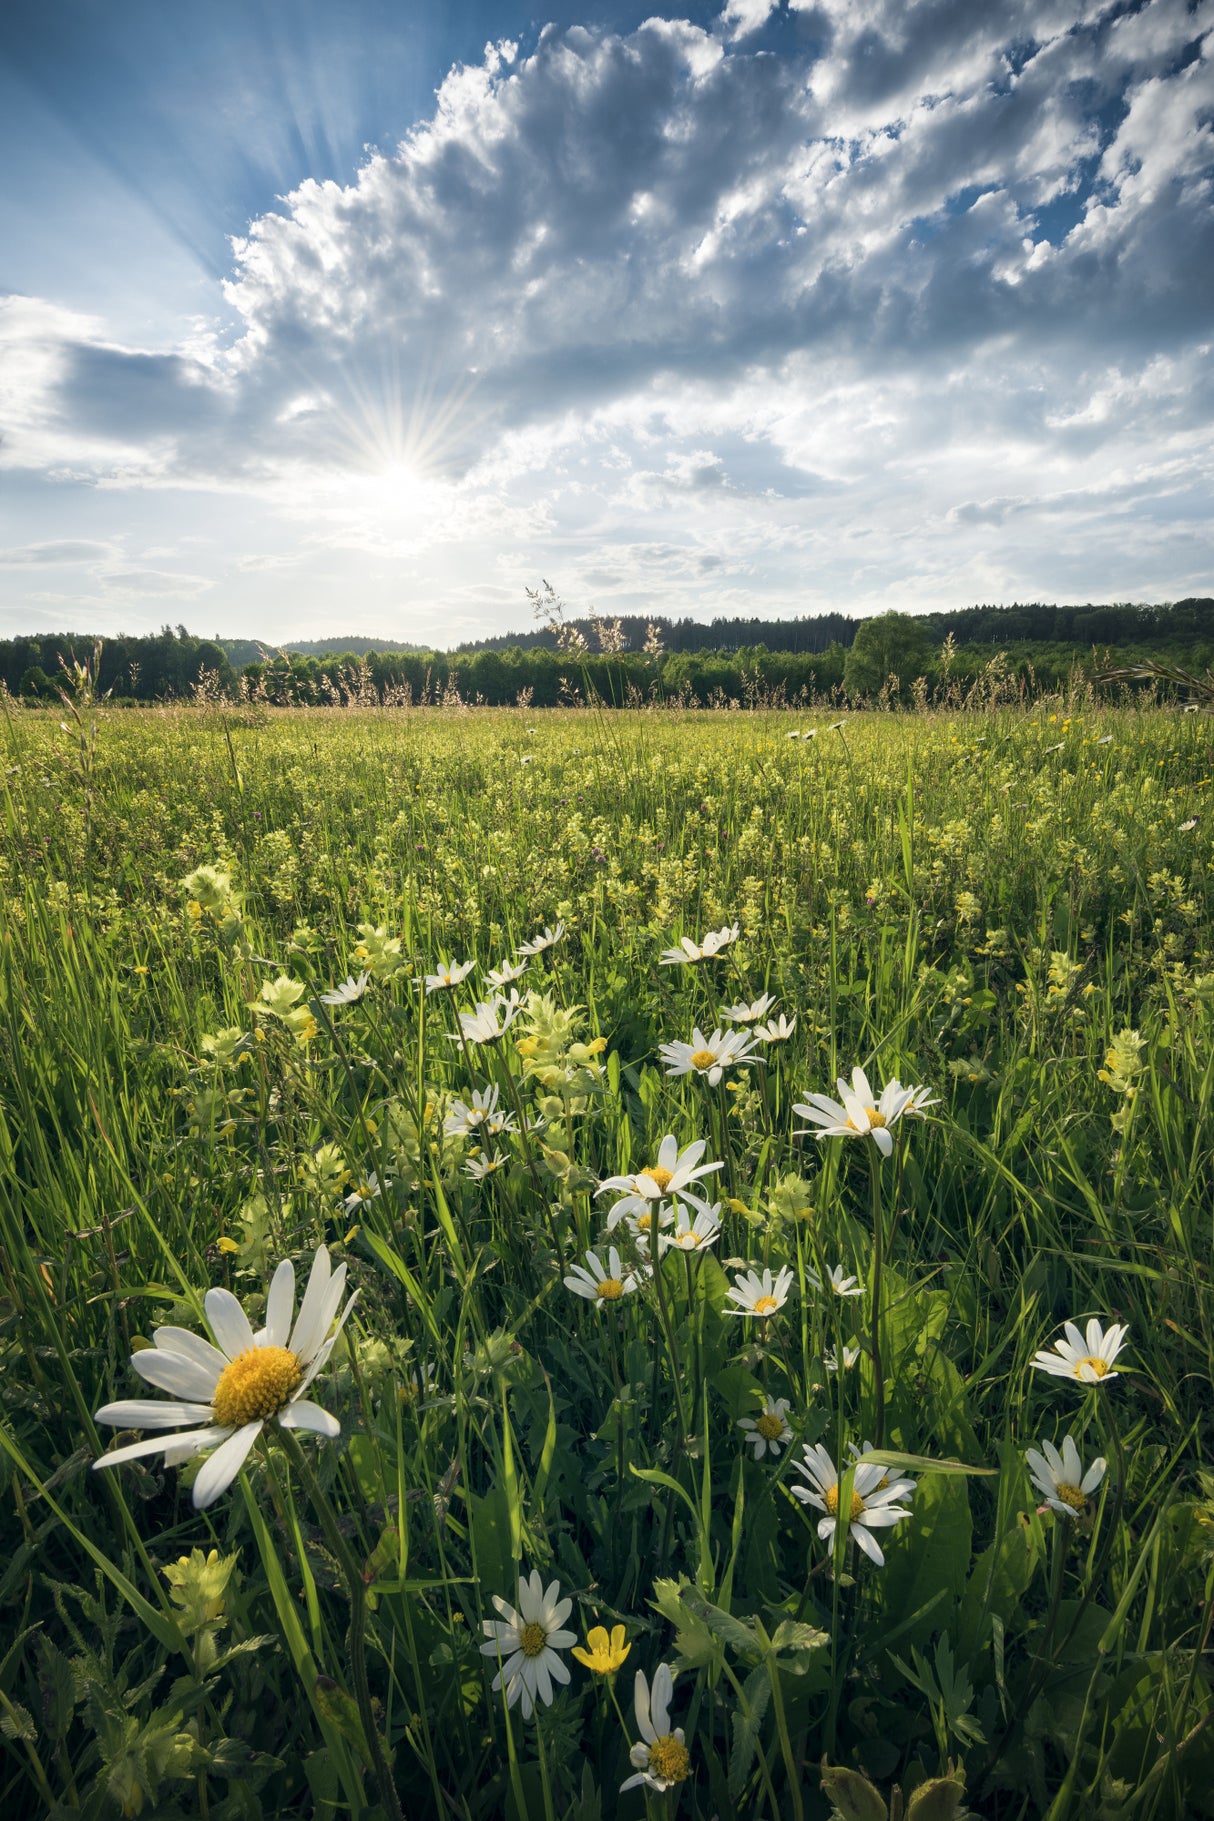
column 747, row 1723
column 923, row 1463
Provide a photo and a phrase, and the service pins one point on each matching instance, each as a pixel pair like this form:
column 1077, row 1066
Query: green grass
column 980, row 905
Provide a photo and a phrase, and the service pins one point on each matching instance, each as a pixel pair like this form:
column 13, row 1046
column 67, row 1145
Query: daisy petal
column 280, row 1305
column 217, row 1474
column 145, row 1413
column 228, row 1321
column 174, row 1373
column 304, row 1414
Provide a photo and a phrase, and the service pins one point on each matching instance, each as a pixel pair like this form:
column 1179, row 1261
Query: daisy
column 498, row 977
column 707, row 1056
column 525, row 1641
column 659, row 1756
column 240, row 1384
column 748, row 1014
column 920, row 1099
column 481, row 1168
column 1087, row 1357
column 363, row 1192
column 603, row 1655
column 449, row 975
column 850, row 1356
column 768, row 1432
column 689, row 952
column 872, row 1506
column 641, row 1225
column 480, row 1114
column 776, row 1030
column 482, row 1025
column 1060, row 1478
column 695, row 1235
column 757, row 1295
column 599, row 1286
column 670, row 1175
column 861, row 1113
column 349, row 990
column 842, row 1286
column 538, row 944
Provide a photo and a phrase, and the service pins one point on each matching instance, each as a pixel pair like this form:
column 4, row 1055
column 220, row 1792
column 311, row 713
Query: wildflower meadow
column 588, row 1264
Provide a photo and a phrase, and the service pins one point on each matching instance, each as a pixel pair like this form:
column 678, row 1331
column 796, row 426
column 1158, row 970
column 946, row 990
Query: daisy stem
column 723, row 1115
column 878, row 1263
column 672, row 1343
column 358, row 1621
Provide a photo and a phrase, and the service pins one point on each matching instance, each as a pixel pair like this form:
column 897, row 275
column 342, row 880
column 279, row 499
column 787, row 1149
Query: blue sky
column 361, row 317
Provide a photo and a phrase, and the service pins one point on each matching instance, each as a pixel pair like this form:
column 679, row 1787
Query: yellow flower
column 228, row 1245
column 605, row 1654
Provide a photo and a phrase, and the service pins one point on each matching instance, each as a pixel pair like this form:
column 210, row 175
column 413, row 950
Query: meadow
column 782, row 1431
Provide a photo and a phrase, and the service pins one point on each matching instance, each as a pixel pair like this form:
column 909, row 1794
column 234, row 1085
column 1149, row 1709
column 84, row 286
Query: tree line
column 1040, row 645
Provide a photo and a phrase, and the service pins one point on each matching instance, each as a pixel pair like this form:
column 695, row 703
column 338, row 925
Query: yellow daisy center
column 765, row 1304
column 875, row 1119
column 532, row 1639
column 1072, row 1496
column 256, row 1384
column 644, row 1222
column 770, row 1426
column 669, row 1759
column 658, row 1174
column 475, row 1115
column 702, row 1059
column 611, row 1289
column 1099, row 1366
column 831, row 1499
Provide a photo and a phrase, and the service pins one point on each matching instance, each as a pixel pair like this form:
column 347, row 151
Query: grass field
column 1011, row 912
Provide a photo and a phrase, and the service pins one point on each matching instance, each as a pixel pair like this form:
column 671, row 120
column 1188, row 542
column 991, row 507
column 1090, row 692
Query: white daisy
column 601, row 1286
column 643, row 1222
column 872, row 1505
column 659, row 1757
column 537, row 945
column 836, row 1281
column 368, row 1190
column 768, row 1432
column 670, row 1175
column 525, row 1641
column 689, row 952
column 776, row 1030
column 850, row 1356
column 449, row 975
column 349, row 990
column 484, row 1025
column 708, row 1056
column 1187, row 827
column 1087, row 1357
column 748, row 1014
column 1060, row 1478
column 498, row 977
column 238, row 1385
column 695, row 1235
column 757, row 1295
column 481, row 1168
column 478, row 1115
column 862, row 1114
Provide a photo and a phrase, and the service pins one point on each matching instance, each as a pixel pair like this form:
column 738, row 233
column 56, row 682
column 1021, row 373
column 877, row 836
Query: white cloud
column 692, row 316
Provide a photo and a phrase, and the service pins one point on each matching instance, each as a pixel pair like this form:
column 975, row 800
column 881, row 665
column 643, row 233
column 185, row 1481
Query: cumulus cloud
column 626, row 276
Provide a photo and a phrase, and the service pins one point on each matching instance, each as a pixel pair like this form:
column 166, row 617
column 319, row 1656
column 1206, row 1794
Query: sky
column 362, row 317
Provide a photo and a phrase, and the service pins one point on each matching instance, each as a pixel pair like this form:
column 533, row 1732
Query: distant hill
column 250, row 651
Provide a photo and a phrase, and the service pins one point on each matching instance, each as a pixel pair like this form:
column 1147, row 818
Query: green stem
column 878, row 1265
column 358, row 1622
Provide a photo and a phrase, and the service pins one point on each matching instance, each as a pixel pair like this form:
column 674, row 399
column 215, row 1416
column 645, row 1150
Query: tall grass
column 984, row 905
